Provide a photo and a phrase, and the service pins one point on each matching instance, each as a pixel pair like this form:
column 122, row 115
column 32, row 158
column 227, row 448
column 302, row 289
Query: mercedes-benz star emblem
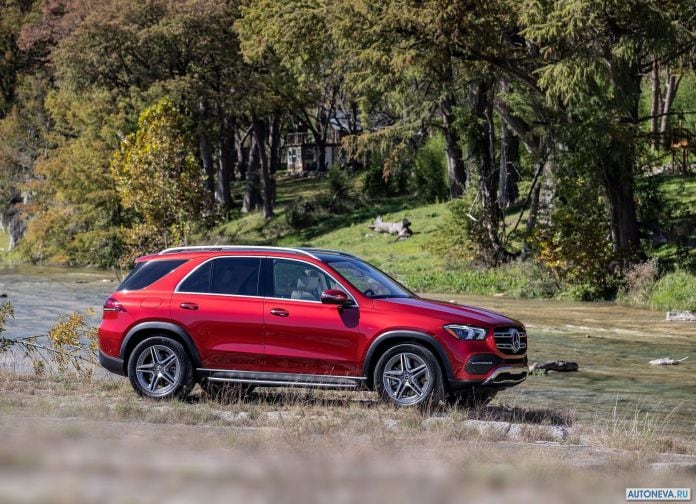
column 515, row 336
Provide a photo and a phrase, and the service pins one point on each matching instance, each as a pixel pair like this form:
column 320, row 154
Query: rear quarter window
column 147, row 273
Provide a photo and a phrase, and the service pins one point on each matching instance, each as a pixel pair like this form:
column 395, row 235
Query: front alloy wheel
column 409, row 375
column 160, row 368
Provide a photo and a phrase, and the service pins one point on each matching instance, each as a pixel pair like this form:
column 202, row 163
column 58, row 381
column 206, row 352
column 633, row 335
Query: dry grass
column 70, row 441
column 295, row 414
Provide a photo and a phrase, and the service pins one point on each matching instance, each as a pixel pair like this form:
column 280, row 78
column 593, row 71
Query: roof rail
column 313, row 250
column 214, row 248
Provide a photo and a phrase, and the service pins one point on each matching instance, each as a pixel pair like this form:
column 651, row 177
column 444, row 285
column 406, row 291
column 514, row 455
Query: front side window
column 368, row 279
column 146, row 273
column 298, row 280
column 225, row 275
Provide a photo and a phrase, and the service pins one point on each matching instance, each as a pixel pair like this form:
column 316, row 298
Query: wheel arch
column 143, row 330
column 392, row 338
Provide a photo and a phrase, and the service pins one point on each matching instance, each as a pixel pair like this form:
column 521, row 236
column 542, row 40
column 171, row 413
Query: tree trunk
column 617, row 165
column 509, row 174
column 275, row 152
column 456, row 170
column 275, row 143
column 260, row 128
column 205, row 149
column 531, row 218
column 242, row 155
column 656, row 106
column 321, row 152
column 252, row 193
column 619, row 183
column 481, row 158
column 206, row 155
column 671, row 88
column 228, row 155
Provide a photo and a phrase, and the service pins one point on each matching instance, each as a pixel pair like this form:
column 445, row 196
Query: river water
column 611, row 343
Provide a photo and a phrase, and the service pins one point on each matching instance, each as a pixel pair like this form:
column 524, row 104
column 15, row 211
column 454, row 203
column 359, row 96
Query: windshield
column 368, row 279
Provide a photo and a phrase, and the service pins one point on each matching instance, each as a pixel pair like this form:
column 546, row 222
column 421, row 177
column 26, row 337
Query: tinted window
column 297, row 280
column 199, row 280
column 232, row 275
column 147, row 273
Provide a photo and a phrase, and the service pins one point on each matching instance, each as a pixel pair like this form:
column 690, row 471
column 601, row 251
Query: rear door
column 304, row 335
column 220, row 306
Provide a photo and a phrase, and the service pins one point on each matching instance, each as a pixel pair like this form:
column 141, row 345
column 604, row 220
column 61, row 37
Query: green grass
column 674, row 291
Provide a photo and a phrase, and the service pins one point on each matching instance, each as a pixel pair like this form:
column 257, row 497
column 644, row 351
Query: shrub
column 576, row 245
column 640, row 281
column 376, row 185
column 339, row 184
column 462, row 235
column 301, row 213
column 430, row 170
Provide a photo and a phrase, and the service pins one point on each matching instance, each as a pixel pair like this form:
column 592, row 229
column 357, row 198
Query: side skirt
column 282, row 379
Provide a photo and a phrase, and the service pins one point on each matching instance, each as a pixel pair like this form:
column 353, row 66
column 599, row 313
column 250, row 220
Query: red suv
column 270, row 316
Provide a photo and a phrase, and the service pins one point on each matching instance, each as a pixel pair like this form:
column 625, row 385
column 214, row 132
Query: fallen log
column 402, row 229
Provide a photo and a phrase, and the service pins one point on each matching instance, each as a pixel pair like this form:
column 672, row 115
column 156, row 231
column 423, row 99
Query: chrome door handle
column 189, row 306
column 279, row 312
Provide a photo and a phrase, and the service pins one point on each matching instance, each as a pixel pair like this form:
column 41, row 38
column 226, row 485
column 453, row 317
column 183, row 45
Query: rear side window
column 225, row 275
column 147, row 273
column 199, row 280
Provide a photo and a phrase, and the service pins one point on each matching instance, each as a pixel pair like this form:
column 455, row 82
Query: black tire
column 160, row 368
column 471, row 399
column 226, row 392
column 422, row 373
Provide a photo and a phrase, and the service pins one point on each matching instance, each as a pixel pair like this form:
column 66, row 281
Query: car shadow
column 293, row 397
column 501, row 413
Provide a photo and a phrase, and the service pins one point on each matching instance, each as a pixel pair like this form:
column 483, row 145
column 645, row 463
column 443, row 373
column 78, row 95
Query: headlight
column 465, row 332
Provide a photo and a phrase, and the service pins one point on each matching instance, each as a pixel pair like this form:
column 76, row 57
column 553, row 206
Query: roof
column 308, row 252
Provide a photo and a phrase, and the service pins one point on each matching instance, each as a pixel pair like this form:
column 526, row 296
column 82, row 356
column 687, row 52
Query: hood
column 447, row 312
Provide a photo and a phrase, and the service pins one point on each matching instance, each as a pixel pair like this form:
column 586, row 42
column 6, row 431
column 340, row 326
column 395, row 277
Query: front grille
column 505, row 340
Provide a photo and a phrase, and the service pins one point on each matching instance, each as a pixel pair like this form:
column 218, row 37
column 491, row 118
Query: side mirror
column 336, row 296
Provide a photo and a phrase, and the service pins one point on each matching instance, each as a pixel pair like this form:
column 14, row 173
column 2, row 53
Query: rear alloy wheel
column 409, row 375
column 160, row 368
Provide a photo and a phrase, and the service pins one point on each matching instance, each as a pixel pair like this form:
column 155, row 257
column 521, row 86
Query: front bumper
column 500, row 378
column 112, row 364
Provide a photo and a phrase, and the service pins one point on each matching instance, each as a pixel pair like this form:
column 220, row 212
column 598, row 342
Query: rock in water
column 559, row 366
column 666, row 361
column 681, row 316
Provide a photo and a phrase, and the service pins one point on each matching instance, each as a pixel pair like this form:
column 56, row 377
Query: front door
column 221, row 308
column 303, row 335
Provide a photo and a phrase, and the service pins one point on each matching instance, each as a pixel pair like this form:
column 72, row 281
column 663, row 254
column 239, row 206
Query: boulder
column 680, row 316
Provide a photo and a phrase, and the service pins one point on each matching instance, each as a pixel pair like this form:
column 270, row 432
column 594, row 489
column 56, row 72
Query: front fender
column 404, row 335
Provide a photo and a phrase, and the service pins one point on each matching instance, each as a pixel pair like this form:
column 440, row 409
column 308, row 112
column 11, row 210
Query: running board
column 282, row 379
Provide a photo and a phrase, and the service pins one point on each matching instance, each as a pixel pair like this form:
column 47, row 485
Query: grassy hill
column 416, row 261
